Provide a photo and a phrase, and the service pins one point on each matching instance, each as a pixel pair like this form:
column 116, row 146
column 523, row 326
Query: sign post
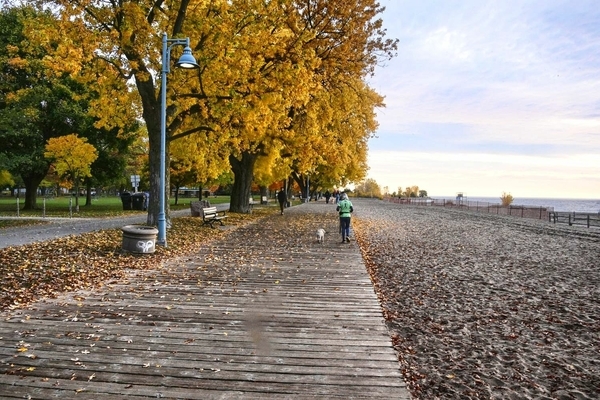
column 135, row 182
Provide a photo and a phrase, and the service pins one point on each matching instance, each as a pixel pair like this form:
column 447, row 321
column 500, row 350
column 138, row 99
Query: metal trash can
column 126, row 199
column 139, row 239
column 138, row 201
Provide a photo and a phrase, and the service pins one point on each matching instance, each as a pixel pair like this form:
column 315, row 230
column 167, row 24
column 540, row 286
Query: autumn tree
column 260, row 62
column 183, row 167
column 269, row 71
column 35, row 103
column 334, row 132
column 44, row 96
column 411, row 191
column 334, row 126
column 114, row 146
column 198, row 160
column 6, row 179
column 120, row 43
column 338, row 43
column 368, row 188
column 72, row 157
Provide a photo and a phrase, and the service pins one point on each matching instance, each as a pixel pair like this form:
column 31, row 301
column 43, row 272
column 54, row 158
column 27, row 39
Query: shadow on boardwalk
column 265, row 313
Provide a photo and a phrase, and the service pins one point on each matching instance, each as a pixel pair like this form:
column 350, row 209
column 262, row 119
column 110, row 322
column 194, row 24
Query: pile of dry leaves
column 43, row 269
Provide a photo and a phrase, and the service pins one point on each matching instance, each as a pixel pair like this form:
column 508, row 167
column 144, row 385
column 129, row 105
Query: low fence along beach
column 589, row 220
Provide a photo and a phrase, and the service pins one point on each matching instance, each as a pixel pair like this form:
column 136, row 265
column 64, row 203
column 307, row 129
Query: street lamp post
column 187, row 61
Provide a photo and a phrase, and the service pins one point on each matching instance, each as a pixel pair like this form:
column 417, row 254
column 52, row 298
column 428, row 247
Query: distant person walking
column 327, row 196
column 282, row 199
column 345, row 210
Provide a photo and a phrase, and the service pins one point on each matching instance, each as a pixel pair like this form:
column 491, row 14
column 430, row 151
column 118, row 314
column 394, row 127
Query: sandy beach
column 486, row 307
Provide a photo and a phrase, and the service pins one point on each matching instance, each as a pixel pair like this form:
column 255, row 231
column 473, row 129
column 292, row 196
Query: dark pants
column 345, row 227
column 281, row 205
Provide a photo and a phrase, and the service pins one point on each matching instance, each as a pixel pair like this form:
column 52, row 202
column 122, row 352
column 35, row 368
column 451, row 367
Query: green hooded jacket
column 345, row 208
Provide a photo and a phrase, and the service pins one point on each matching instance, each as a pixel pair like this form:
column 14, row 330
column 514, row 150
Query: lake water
column 565, row 205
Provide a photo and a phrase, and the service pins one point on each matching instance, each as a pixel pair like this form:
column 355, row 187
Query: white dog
column 320, row 235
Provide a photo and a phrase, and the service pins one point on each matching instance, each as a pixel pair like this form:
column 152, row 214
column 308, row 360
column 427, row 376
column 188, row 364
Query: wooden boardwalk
column 265, row 313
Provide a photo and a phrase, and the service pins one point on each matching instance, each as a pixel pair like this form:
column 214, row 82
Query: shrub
column 506, row 199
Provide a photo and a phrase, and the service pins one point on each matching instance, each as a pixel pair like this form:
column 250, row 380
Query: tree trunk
column 243, row 172
column 32, row 182
column 302, row 181
column 76, row 196
column 151, row 113
column 288, row 184
column 88, row 193
column 264, row 191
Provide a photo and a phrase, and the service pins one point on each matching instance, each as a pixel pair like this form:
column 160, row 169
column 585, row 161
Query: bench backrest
column 209, row 211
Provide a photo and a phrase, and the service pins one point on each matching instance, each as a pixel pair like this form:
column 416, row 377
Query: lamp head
column 187, row 60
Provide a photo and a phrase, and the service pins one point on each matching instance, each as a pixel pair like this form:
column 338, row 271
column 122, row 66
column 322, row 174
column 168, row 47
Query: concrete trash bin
column 139, row 239
column 196, row 208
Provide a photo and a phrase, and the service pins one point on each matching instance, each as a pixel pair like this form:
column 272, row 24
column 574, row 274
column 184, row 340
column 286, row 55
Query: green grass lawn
column 103, row 206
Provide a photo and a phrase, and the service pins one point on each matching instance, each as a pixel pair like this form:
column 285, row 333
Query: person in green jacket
column 345, row 209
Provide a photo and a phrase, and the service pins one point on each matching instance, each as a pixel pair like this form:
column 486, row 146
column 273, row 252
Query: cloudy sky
column 487, row 97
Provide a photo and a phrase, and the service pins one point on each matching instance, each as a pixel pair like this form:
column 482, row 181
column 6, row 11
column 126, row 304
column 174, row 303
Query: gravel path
column 60, row 227
column 482, row 306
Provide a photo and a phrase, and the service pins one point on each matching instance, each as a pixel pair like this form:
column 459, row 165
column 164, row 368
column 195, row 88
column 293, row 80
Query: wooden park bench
column 210, row 215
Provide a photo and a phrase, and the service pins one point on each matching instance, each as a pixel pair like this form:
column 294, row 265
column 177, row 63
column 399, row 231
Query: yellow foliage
column 275, row 80
column 506, row 199
column 6, row 179
column 368, row 188
column 71, row 156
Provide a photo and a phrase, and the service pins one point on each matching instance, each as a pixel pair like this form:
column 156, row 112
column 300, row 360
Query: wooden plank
column 186, row 388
